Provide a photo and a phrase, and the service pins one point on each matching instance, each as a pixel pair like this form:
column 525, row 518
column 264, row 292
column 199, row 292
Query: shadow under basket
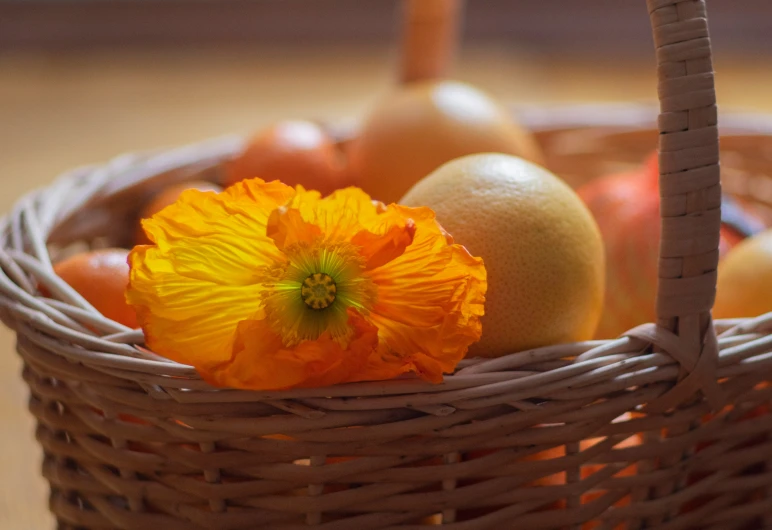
column 668, row 427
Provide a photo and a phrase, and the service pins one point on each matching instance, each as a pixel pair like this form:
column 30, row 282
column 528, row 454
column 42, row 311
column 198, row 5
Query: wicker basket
column 133, row 441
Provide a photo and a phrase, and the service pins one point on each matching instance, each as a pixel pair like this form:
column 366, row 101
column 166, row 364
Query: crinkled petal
column 261, row 362
column 430, row 299
column 221, row 286
column 389, row 364
column 349, row 214
column 205, row 272
column 188, row 318
column 340, row 215
column 287, row 227
column 387, row 244
column 259, row 194
column 239, row 210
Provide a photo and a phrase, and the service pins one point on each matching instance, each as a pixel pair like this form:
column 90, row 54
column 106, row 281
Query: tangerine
column 294, row 152
column 626, row 207
column 101, row 277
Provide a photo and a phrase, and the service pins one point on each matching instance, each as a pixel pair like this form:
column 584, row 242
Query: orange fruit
column 166, row 197
column 555, row 479
column 591, row 469
column 101, row 277
column 559, row 478
column 626, row 207
column 128, row 418
column 621, row 190
column 420, row 126
column 696, row 476
column 541, row 248
column 745, row 279
column 294, row 152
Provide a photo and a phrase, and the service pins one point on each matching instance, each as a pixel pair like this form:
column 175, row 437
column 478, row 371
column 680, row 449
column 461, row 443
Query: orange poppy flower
column 268, row 287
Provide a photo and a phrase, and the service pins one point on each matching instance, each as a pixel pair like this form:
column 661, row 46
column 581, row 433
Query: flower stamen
column 318, row 291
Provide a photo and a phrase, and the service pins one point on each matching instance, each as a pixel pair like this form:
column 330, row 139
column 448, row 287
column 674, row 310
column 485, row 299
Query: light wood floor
column 59, row 111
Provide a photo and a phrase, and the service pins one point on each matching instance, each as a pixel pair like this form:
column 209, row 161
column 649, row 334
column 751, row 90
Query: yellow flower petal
column 261, row 361
column 258, row 195
column 287, row 227
column 339, row 215
column 186, row 318
column 430, row 299
column 238, row 211
column 265, row 287
column 380, row 248
column 205, row 272
column 349, row 215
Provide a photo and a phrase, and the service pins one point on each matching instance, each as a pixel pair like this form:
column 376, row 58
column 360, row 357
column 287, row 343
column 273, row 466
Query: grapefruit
column 540, row 244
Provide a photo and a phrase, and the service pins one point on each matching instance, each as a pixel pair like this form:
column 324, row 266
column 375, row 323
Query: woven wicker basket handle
column 689, row 174
column 690, row 195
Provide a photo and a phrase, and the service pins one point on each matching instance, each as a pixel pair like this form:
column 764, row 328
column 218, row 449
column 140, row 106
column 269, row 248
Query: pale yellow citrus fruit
column 418, row 127
column 541, row 246
column 745, row 279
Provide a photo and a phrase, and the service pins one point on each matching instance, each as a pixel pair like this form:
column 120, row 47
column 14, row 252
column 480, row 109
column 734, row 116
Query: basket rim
column 541, row 117
column 624, row 115
column 117, row 354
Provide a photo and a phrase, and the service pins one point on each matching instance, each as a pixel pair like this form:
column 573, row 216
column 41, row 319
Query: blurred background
column 85, row 80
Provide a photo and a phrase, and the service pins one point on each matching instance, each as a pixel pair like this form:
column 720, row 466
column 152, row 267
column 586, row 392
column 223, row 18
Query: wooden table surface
column 62, row 110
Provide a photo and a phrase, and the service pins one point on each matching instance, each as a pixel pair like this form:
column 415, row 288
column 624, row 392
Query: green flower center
column 318, row 291
column 312, row 291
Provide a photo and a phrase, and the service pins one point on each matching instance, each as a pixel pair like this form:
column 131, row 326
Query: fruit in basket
column 420, row 126
column 592, row 468
column 558, row 478
column 745, row 279
column 732, row 422
column 607, row 194
column 544, row 481
column 541, row 248
column 737, row 223
column 101, row 277
column 626, row 207
column 166, row 197
column 267, row 287
column 294, row 152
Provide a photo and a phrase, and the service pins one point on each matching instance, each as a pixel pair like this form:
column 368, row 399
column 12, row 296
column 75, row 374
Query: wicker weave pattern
column 690, row 194
column 133, row 441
